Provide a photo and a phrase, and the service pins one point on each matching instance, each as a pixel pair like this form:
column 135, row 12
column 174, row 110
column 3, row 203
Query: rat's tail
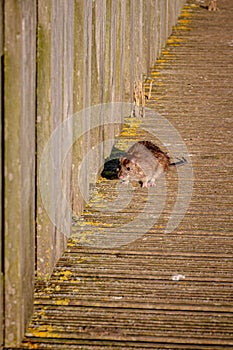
column 181, row 161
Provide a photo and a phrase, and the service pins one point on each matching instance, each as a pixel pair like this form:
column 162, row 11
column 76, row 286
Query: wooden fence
column 58, row 58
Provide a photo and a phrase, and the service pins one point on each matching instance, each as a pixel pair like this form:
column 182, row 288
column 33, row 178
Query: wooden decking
column 158, row 290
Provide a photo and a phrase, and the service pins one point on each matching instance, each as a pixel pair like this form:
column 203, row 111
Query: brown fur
column 145, row 162
column 162, row 157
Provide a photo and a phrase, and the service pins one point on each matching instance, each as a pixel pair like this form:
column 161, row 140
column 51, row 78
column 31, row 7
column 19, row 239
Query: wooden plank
column 100, row 38
column 166, row 19
column 68, row 84
column 19, row 140
column 113, row 38
column 77, row 198
column 43, row 128
column 119, row 58
column 96, row 149
column 56, row 118
column 100, row 15
column 86, row 67
column 126, row 35
column 122, row 47
column 27, row 153
column 12, row 164
column 1, row 164
column 55, row 104
column 110, row 66
column 153, row 33
column 139, row 40
column 131, row 46
column 162, row 30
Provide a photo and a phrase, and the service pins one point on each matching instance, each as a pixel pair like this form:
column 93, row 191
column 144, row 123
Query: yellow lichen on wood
column 62, row 302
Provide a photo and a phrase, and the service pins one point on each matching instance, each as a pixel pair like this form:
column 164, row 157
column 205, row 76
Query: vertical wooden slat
column 148, row 35
column 118, row 82
column 1, row 160
column 152, row 33
column 19, row 139
column 128, row 73
column 12, row 165
column 118, row 57
column 137, row 51
column 162, row 24
column 87, row 61
column 122, row 47
column 68, row 85
column 172, row 14
column 144, row 37
column 114, row 7
column 100, row 38
column 44, row 226
column 166, row 20
column 100, row 54
column 113, row 66
column 56, row 117
column 110, row 65
column 27, row 148
column 55, row 104
column 96, row 135
column 78, row 78
column 140, row 39
column 155, row 28
column 158, row 27
column 132, row 47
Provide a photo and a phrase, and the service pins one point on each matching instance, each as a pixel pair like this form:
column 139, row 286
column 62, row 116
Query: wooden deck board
column 125, row 297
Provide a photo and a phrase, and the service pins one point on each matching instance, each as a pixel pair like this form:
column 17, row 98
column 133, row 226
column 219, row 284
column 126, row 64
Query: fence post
column 19, row 165
column 1, row 160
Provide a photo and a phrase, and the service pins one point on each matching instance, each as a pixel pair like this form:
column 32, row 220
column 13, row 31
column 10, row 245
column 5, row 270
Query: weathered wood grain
column 43, row 129
column 1, row 189
column 78, row 76
column 129, row 296
column 88, row 52
column 56, row 56
column 68, row 88
column 19, row 143
column 55, row 103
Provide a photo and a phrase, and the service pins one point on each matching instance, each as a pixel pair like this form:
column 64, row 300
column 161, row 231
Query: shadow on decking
column 111, row 164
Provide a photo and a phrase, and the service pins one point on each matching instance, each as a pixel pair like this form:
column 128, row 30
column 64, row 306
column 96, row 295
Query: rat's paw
column 124, row 182
column 151, row 183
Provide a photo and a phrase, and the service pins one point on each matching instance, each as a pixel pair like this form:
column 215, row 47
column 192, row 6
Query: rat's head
column 129, row 170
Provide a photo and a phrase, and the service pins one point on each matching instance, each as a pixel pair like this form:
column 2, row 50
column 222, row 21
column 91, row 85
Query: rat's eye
column 128, row 168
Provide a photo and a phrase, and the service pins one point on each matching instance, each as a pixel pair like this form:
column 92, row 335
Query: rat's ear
column 121, row 159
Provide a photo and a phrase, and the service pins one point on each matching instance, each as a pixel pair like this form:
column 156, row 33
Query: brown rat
column 144, row 162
